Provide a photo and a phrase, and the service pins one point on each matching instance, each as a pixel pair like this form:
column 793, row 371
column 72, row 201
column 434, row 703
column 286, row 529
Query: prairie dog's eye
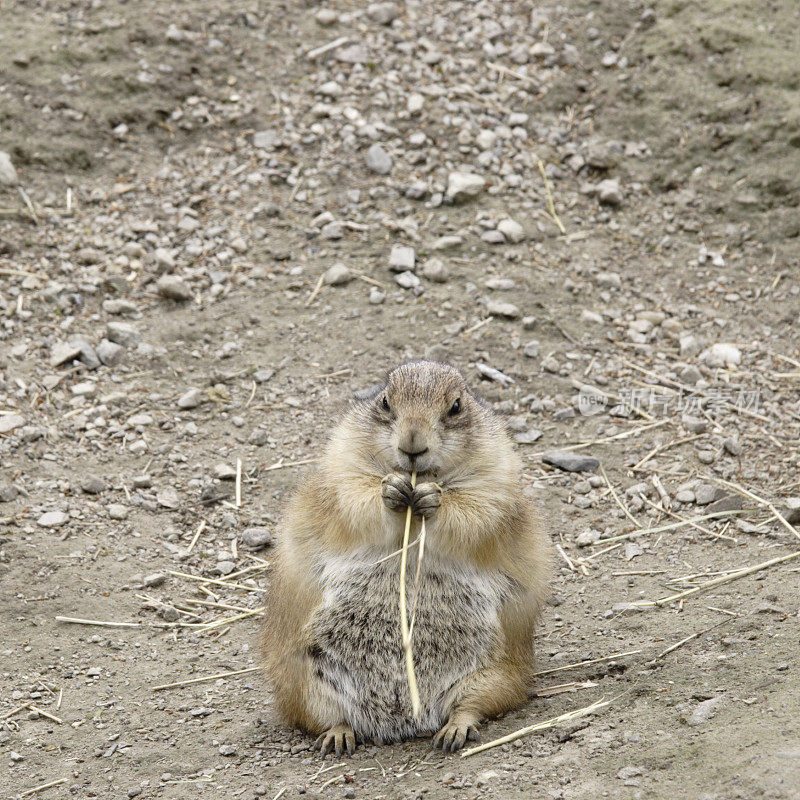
column 385, row 404
column 455, row 408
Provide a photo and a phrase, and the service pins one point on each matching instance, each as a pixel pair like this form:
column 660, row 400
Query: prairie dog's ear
column 370, row 393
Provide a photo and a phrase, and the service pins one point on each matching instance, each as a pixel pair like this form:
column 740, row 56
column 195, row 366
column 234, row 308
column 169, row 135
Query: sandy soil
column 177, row 158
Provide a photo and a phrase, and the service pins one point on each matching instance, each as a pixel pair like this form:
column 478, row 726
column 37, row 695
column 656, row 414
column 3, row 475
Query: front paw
column 426, row 498
column 396, row 491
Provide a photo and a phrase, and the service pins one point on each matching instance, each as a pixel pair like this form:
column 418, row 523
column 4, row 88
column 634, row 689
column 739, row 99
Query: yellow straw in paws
column 405, row 631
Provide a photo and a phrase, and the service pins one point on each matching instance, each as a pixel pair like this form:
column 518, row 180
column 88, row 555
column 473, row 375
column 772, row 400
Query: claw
column 426, row 498
column 338, row 740
column 396, row 491
column 454, row 735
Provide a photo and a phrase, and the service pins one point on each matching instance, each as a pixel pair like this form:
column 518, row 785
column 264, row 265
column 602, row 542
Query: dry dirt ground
column 160, row 321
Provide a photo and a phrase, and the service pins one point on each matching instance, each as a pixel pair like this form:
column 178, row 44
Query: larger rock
column 499, row 309
column 337, row 275
column 383, row 13
column 707, row 493
column 173, row 288
column 123, row 333
column 704, row 711
column 165, row 261
column 408, row 280
column 463, row 186
column 93, row 484
column 791, row 509
column 436, row 270
column 190, row 398
column 256, row 538
column 8, row 175
column 570, row 462
column 401, row 258
column 378, row 160
column 512, row 230
column 110, row 353
column 609, row 192
column 52, row 519
column 62, row 353
column 88, row 355
column 601, row 156
column 8, row 493
column 10, row 422
column 733, row 502
column 722, row 355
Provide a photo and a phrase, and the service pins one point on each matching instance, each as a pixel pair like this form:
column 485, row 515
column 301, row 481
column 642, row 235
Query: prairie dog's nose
column 412, row 443
column 412, row 456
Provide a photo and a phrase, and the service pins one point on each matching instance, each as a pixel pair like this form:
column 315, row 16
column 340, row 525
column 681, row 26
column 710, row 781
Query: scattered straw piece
column 549, row 691
column 28, row 204
column 669, row 526
column 22, row 272
column 682, row 642
column 565, row 557
column 623, row 435
column 43, row 786
column 101, row 623
column 207, row 626
column 512, row 73
column 14, row 711
column 215, row 581
column 539, row 726
column 717, row 581
column 404, row 628
column 586, row 663
column 205, row 678
column 618, row 501
column 550, row 204
column 660, row 449
column 238, row 483
column 760, row 500
column 313, row 296
column 330, row 781
column 281, row 464
column 47, row 714
column 196, row 536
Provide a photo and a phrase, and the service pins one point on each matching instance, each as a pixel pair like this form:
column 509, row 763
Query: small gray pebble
column 256, row 537
column 190, row 399
column 8, row 493
column 732, row 446
column 173, row 288
column 378, row 160
column 110, row 353
column 93, row 484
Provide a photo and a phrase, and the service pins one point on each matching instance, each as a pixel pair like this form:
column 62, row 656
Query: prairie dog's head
column 425, row 418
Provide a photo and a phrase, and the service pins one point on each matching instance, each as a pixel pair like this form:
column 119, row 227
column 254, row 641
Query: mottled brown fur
column 331, row 639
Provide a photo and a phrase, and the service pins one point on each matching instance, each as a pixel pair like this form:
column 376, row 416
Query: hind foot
column 455, row 734
column 339, row 739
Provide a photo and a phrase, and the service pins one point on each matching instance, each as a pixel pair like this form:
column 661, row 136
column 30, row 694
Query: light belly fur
column 356, row 647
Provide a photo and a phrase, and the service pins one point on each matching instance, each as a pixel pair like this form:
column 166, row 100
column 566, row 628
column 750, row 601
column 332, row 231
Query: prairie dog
column 331, row 638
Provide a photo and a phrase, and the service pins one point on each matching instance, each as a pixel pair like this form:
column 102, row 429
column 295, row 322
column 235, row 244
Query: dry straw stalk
column 405, row 630
column 539, row 726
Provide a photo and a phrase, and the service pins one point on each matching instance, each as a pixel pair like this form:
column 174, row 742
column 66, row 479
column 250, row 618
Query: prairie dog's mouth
column 424, row 468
